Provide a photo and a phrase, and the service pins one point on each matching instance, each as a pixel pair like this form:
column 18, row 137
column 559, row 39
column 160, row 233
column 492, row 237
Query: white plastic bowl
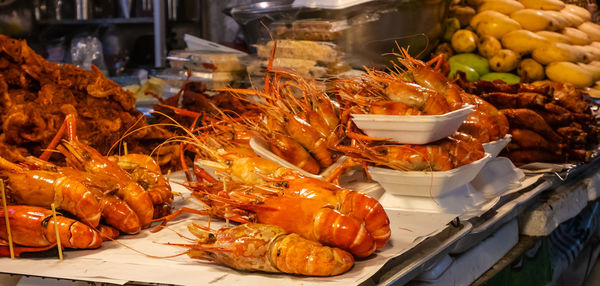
column 495, row 147
column 412, row 129
column 426, row 184
column 261, row 147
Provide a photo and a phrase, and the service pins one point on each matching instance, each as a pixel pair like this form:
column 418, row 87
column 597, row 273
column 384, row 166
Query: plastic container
column 412, row 129
column 322, row 52
column 495, row 147
column 205, row 61
column 309, row 30
column 426, row 184
column 304, row 68
column 329, row 4
column 261, row 147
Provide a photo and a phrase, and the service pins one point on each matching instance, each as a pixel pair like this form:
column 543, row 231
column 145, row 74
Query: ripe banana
column 579, row 11
column 492, row 23
column 573, row 19
column 567, row 72
column 591, row 69
column 523, row 41
column 577, row 37
column 554, row 37
column 555, row 5
column 591, row 29
column 503, row 6
column 535, row 20
column 557, row 52
column 560, row 20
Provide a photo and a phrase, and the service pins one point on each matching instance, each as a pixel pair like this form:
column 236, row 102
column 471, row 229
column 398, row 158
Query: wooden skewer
column 125, row 148
column 58, row 244
column 10, row 242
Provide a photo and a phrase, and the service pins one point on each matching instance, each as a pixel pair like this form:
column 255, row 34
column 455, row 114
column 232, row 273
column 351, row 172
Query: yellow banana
column 492, row 23
column 591, row 69
column 554, row 37
column 579, row 11
column 577, row 37
column 567, row 72
column 595, row 45
column 487, row 15
column 590, row 53
column 503, row 6
column 555, row 5
column 557, row 52
column 591, row 29
column 535, row 20
column 523, row 41
column 560, row 20
column 573, row 19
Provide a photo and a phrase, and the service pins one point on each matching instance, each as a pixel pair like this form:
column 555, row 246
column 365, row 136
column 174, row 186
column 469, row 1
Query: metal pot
column 378, row 28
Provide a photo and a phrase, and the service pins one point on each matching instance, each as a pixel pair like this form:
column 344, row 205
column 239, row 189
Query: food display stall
column 341, row 142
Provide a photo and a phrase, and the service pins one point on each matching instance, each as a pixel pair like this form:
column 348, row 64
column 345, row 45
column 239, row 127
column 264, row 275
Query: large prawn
column 312, row 219
column 86, row 158
column 268, row 248
column 43, row 188
column 115, row 212
column 146, row 172
column 34, row 227
column 429, row 78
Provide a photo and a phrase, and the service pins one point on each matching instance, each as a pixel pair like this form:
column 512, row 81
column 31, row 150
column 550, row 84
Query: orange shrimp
column 424, row 75
column 402, row 157
column 291, row 151
column 308, row 137
column 42, row 188
column 146, row 172
column 86, row 158
column 352, row 203
column 311, row 219
column 34, row 227
column 268, row 248
column 463, row 148
column 429, row 78
column 115, row 211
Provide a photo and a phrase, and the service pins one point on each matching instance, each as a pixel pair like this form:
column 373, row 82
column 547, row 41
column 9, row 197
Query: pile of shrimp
column 298, row 120
column 307, row 128
column 415, row 88
column 103, row 196
column 252, row 190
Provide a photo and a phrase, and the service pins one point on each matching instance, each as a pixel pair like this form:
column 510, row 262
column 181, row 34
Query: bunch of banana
column 536, row 39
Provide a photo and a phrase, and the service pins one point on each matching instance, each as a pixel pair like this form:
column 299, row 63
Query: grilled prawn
column 268, row 248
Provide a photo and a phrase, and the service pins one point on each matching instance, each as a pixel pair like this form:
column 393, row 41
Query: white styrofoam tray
column 495, row 147
column 261, row 147
column 426, row 184
column 412, row 129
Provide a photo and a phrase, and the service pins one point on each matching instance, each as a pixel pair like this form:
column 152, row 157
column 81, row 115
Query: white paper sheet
column 115, row 263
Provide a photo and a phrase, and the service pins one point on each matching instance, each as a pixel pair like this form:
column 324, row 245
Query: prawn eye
column 278, row 252
column 384, row 151
column 285, row 184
